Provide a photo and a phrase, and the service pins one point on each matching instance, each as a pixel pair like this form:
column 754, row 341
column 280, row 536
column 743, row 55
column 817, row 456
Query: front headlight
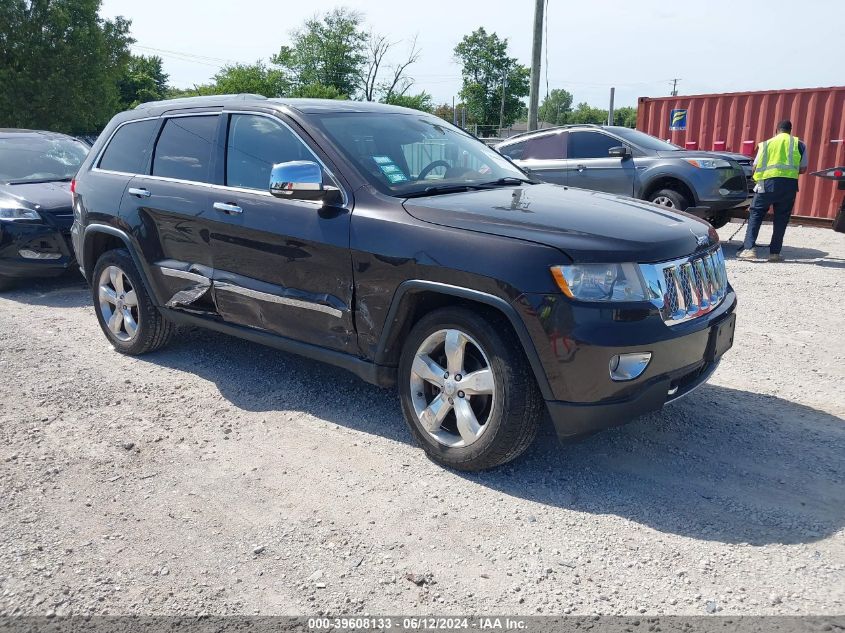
column 601, row 282
column 10, row 213
column 708, row 163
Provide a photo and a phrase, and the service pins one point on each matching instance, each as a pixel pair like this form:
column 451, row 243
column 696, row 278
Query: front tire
column 719, row 220
column 669, row 198
column 127, row 315
column 467, row 391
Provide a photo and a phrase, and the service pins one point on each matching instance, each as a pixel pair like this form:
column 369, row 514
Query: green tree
column 585, row 113
column 486, row 71
column 318, row 91
column 255, row 78
column 60, row 63
column 421, row 101
column 445, row 111
column 626, row 116
column 143, row 79
column 328, row 50
column 556, row 106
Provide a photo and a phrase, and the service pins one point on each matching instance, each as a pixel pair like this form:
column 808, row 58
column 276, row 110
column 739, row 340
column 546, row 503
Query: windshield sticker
column 394, row 178
column 391, row 170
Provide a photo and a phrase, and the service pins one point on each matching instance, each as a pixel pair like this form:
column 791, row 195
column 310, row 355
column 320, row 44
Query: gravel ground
column 221, row 477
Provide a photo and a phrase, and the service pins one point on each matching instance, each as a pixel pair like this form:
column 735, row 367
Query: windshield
column 37, row 158
column 406, row 154
column 645, row 141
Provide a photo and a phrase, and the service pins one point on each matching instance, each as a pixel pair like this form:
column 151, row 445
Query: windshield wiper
column 437, row 190
column 507, row 181
column 37, row 181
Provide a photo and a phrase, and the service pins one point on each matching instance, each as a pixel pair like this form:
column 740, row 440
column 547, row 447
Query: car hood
column 704, row 154
column 589, row 226
column 49, row 196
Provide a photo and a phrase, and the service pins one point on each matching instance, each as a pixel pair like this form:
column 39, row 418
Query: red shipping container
column 691, row 145
column 719, row 146
column 743, row 119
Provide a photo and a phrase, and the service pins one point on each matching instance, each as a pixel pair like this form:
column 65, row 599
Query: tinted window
column 255, row 144
column 549, row 146
column 184, row 148
column 590, row 144
column 129, row 148
column 513, row 151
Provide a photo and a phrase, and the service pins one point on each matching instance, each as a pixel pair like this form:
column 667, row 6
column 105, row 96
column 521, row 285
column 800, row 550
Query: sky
column 638, row 46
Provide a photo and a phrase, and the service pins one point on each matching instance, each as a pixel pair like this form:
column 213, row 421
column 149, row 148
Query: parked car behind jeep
column 36, row 168
column 631, row 163
column 386, row 241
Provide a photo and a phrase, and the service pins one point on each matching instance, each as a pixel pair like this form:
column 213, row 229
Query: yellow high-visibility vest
column 779, row 157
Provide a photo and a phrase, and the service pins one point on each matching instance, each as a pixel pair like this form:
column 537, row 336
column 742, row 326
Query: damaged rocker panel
column 266, row 296
column 185, row 297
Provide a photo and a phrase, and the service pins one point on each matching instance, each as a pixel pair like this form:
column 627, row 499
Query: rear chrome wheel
column 125, row 311
column 118, row 303
column 664, row 201
column 452, row 387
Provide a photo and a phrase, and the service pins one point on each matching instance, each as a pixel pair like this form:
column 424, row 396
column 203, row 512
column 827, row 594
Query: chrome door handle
column 580, row 167
column 225, row 207
column 141, row 193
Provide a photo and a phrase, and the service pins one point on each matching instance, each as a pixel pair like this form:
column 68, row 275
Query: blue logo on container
column 677, row 120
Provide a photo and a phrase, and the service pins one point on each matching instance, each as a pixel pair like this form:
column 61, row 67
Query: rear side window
column 590, row 144
column 545, row 147
column 129, row 148
column 255, row 144
column 184, row 148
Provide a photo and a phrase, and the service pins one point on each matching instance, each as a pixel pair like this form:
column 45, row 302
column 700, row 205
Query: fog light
column 28, row 254
column 629, row 366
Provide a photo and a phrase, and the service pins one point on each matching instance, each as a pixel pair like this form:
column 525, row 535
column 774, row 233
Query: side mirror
column 301, row 180
column 620, row 151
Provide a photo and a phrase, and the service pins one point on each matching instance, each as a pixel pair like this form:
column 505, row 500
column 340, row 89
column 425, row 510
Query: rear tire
column 127, row 315
column 719, row 220
column 669, row 198
column 487, row 412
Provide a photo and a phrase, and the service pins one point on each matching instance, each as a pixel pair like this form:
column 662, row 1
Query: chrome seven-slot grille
column 687, row 288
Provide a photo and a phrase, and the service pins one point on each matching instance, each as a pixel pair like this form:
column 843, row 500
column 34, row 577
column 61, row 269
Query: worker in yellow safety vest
column 779, row 162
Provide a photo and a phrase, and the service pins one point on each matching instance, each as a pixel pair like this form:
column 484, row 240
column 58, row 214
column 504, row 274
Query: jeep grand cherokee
column 388, row 242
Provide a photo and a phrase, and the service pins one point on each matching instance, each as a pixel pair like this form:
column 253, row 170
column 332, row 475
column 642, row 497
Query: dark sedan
column 36, row 213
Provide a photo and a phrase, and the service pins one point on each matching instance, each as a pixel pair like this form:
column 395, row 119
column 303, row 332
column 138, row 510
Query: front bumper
column 43, row 239
column 582, row 340
column 721, row 189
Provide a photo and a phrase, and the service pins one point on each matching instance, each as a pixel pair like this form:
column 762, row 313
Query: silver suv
column 631, row 163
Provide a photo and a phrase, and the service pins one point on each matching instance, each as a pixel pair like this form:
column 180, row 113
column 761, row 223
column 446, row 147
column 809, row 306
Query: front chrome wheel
column 664, row 201
column 118, row 303
column 452, row 388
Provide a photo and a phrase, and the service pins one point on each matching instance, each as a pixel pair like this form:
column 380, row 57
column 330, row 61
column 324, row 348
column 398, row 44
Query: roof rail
column 200, row 100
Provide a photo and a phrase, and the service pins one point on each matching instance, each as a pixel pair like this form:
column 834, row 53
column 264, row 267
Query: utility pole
column 610, row 109
column 502, row 111
column 454, row 113
column 675, row 87
column 536, row 52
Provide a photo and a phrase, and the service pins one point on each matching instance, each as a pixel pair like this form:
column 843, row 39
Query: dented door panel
column 284, row 266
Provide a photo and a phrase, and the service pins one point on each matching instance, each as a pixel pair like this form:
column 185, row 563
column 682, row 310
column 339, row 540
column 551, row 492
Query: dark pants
column 780, row 194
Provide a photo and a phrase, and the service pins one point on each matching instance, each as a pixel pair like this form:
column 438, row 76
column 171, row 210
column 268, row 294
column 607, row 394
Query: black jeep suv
column 390, row 243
